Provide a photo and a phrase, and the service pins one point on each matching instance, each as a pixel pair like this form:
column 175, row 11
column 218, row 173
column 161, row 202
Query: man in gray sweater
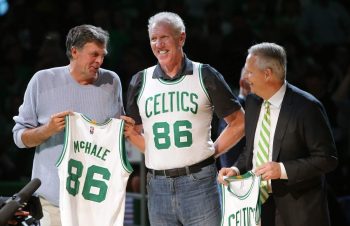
column 82, row 86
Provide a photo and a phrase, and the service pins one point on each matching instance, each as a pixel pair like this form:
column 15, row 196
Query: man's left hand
column 269, row 170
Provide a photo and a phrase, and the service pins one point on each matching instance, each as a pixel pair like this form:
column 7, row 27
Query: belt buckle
column 177, row 172
column 172, row 173
column 166, row 173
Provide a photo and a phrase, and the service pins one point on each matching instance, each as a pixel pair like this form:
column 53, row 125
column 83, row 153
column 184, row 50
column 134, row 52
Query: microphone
column 28, row 190
column 18, row 200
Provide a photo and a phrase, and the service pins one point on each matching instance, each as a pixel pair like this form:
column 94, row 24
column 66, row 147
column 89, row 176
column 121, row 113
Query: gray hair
column 170, row 18
column 80, row 35
column 270, row 55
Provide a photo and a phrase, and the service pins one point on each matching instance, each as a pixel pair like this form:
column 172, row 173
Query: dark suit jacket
column 303, row 142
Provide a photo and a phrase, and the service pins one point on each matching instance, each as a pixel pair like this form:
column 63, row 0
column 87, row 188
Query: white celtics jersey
column 93, row 171
column 176, row 116
column 240, row 201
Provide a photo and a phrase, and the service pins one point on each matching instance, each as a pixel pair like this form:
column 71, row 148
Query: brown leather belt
column 177, row 172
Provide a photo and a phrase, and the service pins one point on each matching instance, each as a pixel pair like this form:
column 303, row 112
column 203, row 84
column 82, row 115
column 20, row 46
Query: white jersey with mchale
column 93, row 171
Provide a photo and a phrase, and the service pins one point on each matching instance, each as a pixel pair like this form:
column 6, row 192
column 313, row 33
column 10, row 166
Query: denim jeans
column 191, row 200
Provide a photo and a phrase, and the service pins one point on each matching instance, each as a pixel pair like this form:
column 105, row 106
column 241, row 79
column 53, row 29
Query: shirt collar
column 186, row 69
column 277, row 98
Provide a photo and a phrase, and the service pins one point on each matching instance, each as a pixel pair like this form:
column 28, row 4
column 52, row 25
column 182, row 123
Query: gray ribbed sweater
column 54, row 90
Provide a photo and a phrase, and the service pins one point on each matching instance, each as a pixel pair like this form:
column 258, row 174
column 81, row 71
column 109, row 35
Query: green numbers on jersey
column 161, row 135
column 75, row 171
column 182, row 134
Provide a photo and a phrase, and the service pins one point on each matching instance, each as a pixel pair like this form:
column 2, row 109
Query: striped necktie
column 264, row 147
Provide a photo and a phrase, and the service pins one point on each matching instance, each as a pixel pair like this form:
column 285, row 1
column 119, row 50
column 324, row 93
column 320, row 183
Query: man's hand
column 269, row 170
column 134, row 133
column 57, row 122
column 225, row 172
column 19, row 213
column 129, row 126
column 36, row 136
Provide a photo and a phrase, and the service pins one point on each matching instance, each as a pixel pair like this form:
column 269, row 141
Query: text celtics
column 243, row 217
column 171, row 102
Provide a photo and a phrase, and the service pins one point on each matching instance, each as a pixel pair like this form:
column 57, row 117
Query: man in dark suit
column 300, row 144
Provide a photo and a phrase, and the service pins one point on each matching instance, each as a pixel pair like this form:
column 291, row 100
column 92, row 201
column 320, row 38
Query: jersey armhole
column 66, row 136
column 124, row 159
column 202, row 82
column 143, row 85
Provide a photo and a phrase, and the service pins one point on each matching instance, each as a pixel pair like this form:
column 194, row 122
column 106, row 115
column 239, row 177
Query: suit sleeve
column 320, row 151
column 244, row 161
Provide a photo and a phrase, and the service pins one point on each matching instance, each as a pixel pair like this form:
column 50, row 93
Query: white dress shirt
column 275, row 108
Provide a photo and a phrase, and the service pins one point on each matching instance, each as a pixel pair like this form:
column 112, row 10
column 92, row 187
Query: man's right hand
column 57, row 122
column 134, row 133
column 225, row 172
column 36, row 136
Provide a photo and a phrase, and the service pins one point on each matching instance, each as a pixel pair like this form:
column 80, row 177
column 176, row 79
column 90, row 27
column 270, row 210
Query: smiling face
column 166, row 44
column 87, row 61
column 255, row 76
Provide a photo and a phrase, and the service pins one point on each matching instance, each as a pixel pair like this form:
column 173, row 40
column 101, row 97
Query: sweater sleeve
column 27, row 117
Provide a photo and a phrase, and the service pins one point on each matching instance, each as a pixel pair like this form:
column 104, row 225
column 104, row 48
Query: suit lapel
column 283, row 118
column 252, row 120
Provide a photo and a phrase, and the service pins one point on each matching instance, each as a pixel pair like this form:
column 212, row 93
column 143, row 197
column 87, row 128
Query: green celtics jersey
column 240, row 201
column 176, row 116
column 93, row 172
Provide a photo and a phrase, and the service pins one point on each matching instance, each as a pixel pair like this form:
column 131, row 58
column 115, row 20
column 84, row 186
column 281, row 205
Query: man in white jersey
column 173, row 103
column 93, row 172
column 82, row 86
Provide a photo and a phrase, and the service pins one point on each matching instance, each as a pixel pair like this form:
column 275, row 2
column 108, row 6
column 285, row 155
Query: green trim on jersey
column 223, row 210
column 240, row 177
column 202, row 82
column 171, row 82
column 247, row 175
column 94, row 122
column 125, row 161
column 66, row 135
column 143, row 85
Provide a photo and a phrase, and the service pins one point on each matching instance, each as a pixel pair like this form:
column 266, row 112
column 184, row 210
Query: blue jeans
column 191, row 200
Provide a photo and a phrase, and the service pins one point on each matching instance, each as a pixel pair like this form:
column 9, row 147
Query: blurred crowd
column 315, row 33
